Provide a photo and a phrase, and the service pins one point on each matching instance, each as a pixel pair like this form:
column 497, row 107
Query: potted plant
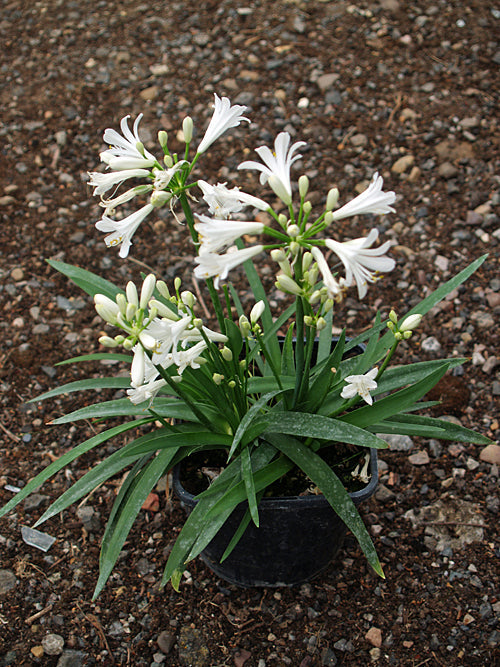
column 266, row 394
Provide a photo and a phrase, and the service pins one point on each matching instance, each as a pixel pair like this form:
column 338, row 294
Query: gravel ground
column 406, row 88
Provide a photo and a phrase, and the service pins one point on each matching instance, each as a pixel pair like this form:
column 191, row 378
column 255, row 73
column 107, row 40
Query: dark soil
column 415, row 80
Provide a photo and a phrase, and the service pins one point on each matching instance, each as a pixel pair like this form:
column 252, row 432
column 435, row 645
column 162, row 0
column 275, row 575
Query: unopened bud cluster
column 405, row 330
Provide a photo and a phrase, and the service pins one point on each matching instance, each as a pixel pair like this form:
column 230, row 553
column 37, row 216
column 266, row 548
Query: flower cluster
column 300, row 244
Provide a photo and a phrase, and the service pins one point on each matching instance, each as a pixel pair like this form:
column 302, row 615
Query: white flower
column 256, row 312
column 189, row 357
column 216, row 234
column 138, row 367
column 361, row 261
column 104, row 182
column 333, row 286
column 211, row 264
column 123, row 230
column 372, row 200
column 223, row 202
column 276, row 163
column 360, row 384
column 145, row 392
column 224, row 117
column 126, row 147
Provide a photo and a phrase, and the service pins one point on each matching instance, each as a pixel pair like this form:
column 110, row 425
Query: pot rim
column 276, row 502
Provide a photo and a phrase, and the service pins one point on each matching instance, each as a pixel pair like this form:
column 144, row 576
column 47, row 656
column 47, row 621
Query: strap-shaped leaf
column 307, row 425
column 247, row 476
column 97, row 356
column 89, row 282
column 163, row 439
column 85, row 385
column 123, row 407
column 67, row 458
column 332, row 488
column 249, row 417
column 130, row 506
column 429, row 427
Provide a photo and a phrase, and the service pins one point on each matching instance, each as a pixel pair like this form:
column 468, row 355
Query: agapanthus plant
column 239, row 382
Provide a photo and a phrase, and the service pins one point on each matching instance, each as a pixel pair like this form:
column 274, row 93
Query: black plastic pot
column 297, row 538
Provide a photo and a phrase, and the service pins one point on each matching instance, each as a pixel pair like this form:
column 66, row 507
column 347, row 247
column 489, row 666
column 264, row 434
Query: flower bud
column 393, row 316
column 107, row 341
column 303, row 186
column 162, row 288
column 328, row 218
column 257, row 310
column 288, row 285
column 226, row 354
column 307, row 208
column 407, row 334
column 138, row 367
column 308, row 321
column 160, row 197
column 119, row 339
column 217, row 378
column 307, row 259
column 187, row 129
column 132, row 296
column 315, row 297
column 282, row 219
column 128, row 344
column 278, row 254
column 294, row 248
column 130, row 312
column 188, row 299
column 197, row 323
column 148, row 287
column 279, row 189
column 163, row 139
column 121, row 301
column 106, row 308
column 332, row 199
column 321, row 323
column 231, row 384
column 147, row 340
column 169, row 163
column 293, row 231
column 140, row 147
column 411, row 322
column 244, row 325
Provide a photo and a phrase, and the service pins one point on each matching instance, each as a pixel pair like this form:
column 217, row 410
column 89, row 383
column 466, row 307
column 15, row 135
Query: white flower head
column 217, row 234
column 224, row 118
column 110, row 205
column 123, row 230
column 128, row 149
column 372, row 200
column 212, row 265
column 164, row 176
column 223, row 202
column 360, row 384
column 277, row 163
column 145, row 392
column 361, row 261
column 104, row 182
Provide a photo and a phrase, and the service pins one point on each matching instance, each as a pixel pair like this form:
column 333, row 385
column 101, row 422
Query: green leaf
column 163, row 438
column 332, row 488
column 429, row 427
column 98, row 356
column 287, row 357
column 130, row 506
column 87, row 281
column 67, row 458
column 324, row 379
column 123, row 407
column 247, row 476
column 307, row 425
column 249, row 417
column 325, row 338
column 83, row 385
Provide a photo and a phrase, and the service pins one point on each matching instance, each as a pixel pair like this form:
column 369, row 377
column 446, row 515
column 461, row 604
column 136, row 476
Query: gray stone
column 431, row 344
column 166, row 641
column 398, row 443
column 71, row 659
column 53, row 644
column 8, row 581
